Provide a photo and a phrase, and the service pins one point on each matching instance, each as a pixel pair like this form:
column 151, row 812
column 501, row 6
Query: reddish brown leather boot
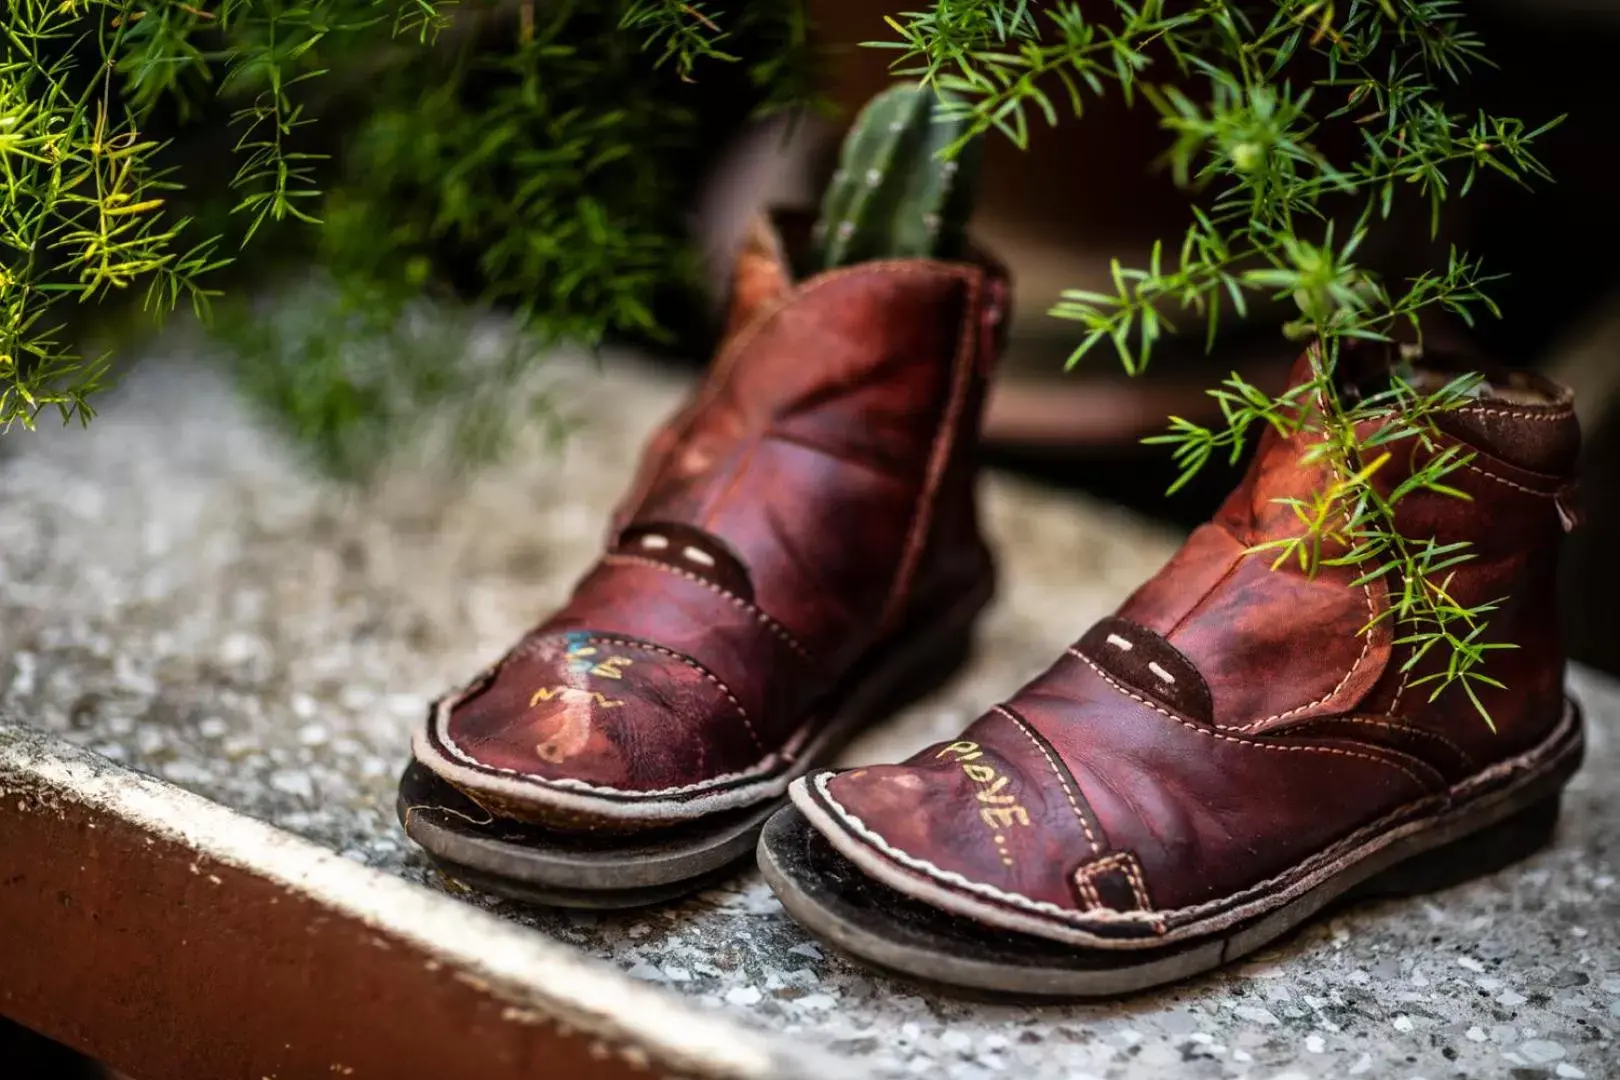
column 799, row 551
column 1227, row 754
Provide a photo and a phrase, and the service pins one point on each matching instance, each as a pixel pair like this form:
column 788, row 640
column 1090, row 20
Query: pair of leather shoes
column 800, row 554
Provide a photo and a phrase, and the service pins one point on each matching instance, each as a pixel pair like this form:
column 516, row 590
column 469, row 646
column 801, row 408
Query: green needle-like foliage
column 526, row 151
column 537, row 155
column 1246, row 93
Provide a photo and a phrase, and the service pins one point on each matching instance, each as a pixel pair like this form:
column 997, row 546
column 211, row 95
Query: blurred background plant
column 558, row 162
column 537, row 156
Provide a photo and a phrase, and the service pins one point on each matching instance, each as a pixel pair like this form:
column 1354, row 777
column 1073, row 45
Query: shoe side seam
column 1400, row 690
column 1523, row 413
column 1057, row 771
column 938, row 457
column 1197, row 605
column 1471, row 467
column 1410, row 729
column 569, row 784
column 739, row 602
column 1366, row 647
column 1256, row 744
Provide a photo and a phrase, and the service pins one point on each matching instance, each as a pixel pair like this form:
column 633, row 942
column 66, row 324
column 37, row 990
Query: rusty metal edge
column 172, row 937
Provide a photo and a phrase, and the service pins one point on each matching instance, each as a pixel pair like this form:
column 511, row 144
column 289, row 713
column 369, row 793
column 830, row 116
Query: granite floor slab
column 180, row 595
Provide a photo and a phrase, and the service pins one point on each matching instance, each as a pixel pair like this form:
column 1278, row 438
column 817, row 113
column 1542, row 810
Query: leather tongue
column 763, row 272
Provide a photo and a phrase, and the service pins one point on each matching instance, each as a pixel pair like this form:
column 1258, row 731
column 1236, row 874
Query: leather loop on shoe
column 1145, row 661
column 689, row 551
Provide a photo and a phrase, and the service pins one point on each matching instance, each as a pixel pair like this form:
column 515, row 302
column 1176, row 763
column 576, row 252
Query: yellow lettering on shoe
column 612, row 667
column 1002, row 809
column 1003, row 816
column 988, row 795
column 580, row 662
column 546, row 693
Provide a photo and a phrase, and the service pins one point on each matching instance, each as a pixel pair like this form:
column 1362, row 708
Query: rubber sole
column 829, row 895
column 535, row 865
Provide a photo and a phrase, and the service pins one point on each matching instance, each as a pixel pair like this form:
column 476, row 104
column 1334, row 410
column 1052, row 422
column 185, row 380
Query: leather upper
column 1234, row 726
column 812, row 495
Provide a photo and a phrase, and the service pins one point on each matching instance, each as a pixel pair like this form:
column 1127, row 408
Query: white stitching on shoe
column 1077, row 654
column 769, row 623
column 1400, row 691
column 1158, row 920
column 1409, row 728
column 568, row 783
column 1120, row 643
column 1057, row 772
column 1163, row 675
column 1124, row 861
column 1366, row 647
column 1088, row 891
column 1133, row 870
column 1471, row 467
column 765, row 764
column 1526, row 413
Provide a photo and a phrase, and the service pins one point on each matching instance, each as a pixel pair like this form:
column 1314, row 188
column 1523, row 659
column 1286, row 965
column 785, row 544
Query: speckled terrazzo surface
column 177, row 594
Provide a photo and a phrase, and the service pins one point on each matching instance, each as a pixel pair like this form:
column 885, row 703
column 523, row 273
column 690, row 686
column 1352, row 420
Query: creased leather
column 1232, row 723
column 813, row 494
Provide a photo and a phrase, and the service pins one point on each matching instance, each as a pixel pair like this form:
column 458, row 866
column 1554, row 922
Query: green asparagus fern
column 537, row 155
column 1246, row 93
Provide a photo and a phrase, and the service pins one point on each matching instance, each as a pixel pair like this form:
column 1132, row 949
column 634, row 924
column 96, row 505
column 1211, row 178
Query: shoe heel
column 1475, row 855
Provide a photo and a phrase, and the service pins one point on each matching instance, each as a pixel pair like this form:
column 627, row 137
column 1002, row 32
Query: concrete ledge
column 172, row 937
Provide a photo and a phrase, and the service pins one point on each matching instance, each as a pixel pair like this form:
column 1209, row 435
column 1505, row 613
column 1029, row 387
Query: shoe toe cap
column 597, row 715
column 963, row 816
column 993, row 826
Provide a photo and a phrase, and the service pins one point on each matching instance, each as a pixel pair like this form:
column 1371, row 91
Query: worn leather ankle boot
column 1236, row 748
column 798, row 554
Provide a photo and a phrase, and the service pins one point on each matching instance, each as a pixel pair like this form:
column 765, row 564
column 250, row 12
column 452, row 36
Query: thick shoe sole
column 536, row 865
column 829, row 895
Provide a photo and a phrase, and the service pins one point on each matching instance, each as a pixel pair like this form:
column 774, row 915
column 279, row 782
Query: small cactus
column 892, row 196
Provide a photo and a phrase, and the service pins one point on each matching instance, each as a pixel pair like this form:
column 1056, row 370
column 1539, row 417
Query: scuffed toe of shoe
column 990, row 826
column 583, row 729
